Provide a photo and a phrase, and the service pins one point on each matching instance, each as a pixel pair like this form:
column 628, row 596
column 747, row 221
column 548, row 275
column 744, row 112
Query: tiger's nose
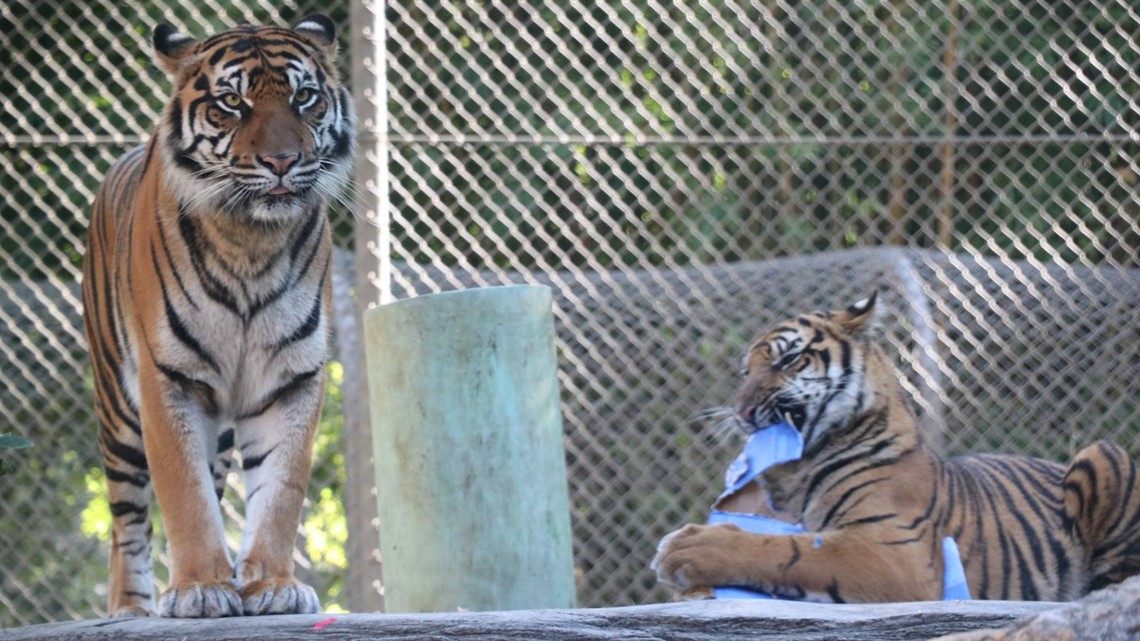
column 278, row 163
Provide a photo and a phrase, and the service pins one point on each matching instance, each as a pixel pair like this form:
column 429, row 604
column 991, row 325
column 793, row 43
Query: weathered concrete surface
column 696, row 620
column 1112, row 614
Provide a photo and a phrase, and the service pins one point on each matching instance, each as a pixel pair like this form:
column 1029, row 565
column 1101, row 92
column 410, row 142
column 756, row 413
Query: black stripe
column 839, row 464
column 847, row 494
column 915, row 539
column 170, row 261
column 867, row 520
column 303, row 234
column 215, row 289
column 122, row 508
column 833, row 591
column 174, row 119
column 925, row 516
column 794, row 558
column 980, row 546
column 294, row 251
column 280, row 393
column 111, row 382
column 180, row 378
column 115, row 476
column 1046, row 507
column 1014, row 554
column 226, row 441
column 130, row 455
column 249, row 463
column 306, row 329
column 1110, row 452
column 181, row 332
column 135, row 548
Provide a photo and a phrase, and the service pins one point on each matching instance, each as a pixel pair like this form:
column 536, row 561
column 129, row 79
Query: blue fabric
column 780, row 443
column 954, row 586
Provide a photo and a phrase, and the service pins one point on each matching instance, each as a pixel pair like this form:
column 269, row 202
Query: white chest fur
column 244, row 315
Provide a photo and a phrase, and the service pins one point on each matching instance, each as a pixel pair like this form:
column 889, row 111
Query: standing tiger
column 206, row 295
column 876, row 503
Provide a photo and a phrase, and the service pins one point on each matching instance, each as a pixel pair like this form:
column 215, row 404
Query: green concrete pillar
column 468, row 447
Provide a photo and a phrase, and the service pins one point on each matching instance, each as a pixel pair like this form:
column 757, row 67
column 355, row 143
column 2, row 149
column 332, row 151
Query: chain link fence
column 79, row 89
column 656, row 161
column 682, row 174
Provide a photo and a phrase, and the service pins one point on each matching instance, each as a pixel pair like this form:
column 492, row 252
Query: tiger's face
column 258, row 124
column 810, row 371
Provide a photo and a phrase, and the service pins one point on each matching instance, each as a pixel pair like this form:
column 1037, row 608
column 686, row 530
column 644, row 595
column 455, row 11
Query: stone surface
column 1112, row 614
column 730, row 620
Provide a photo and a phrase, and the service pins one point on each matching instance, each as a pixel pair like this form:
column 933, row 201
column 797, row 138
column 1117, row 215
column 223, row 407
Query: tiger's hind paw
column 279, row 596
column 200, row 600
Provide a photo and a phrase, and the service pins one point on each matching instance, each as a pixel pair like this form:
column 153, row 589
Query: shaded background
column 682, row 174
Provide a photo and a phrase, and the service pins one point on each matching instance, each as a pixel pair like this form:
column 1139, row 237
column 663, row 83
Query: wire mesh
column 79, row 89
column 681, row 173
column 654, row 161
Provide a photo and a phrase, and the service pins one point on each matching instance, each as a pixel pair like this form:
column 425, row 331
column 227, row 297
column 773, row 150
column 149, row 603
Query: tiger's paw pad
column 132, row 612
column 200, row 600
column 279, row 596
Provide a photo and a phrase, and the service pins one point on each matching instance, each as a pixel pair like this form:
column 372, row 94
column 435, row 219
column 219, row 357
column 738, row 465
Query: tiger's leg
column 130, row 593
column 849, row 565
column 1102, row 511
column 223, row 461
column 276, row 449
column 181, row 440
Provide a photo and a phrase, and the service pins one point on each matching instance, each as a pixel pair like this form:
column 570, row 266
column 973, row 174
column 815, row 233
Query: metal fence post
column 363, row 578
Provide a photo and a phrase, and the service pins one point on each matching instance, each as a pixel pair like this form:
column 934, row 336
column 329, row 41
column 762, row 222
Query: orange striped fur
column 876, row 502
column 206, row 308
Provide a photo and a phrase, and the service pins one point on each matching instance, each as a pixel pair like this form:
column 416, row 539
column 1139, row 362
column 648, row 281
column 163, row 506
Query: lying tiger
column 875, row 502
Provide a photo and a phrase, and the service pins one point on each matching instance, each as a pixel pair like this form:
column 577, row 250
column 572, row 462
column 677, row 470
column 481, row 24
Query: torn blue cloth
column 777, row 444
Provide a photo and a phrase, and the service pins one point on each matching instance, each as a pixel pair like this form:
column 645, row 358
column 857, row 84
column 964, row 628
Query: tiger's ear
column 320, row 31
column 859, row 317
column 172, row 49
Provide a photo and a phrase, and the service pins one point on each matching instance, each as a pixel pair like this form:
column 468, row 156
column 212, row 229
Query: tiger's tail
column 1102, row 512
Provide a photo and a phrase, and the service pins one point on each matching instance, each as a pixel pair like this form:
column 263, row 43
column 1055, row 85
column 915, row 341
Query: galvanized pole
column 474, row 510
column 364, row 592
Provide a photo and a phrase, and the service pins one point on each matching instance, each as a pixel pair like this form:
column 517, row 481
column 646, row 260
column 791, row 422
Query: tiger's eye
column 231, row 100
column 303, row 95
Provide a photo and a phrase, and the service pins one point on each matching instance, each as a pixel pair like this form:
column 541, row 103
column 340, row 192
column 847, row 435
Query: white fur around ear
column 859, row 317
column 319, row 30
column 171, row 48
column 859, row 308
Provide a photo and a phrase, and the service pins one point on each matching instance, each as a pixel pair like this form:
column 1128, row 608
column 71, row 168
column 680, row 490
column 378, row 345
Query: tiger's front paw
column 696, row 557
column 193, row 600
column 132, row 612
column 279, row 596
